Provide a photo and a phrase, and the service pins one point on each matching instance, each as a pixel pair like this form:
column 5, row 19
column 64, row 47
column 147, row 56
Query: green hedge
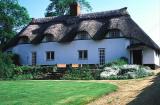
column 82, row 73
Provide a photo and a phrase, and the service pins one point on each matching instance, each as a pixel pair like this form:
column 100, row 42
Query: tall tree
column 12, row 18
column 61, row 7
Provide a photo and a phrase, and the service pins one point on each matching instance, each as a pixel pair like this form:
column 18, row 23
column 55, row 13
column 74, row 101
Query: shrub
column 37, row 72
column 118, row 62
column 126, row 72
column 14, row 58
column 23, row 77
column 6, row 66
column 82, row 73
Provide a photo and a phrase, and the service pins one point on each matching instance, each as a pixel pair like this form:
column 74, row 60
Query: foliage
column 6, row 66
column 12, row 18
column 14, row 58
column 23, row 77
column 61, row 7
column 52, row 92
column 82, row 73
column 96, row 74
column 32, row 72
column 128, row 72
column 118, row 62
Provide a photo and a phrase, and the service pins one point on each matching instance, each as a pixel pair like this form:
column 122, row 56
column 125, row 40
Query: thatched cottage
column 94, row 38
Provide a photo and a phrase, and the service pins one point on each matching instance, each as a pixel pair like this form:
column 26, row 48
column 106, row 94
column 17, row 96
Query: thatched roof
column 64, row 28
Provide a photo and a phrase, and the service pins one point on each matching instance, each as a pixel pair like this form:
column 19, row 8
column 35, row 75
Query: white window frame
column 34, row 58
column 82, row 36
column 83, row 54
column 101, row 56
column 50, row 55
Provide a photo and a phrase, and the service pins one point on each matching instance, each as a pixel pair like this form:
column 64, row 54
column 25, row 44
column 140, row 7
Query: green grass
column 51, row 92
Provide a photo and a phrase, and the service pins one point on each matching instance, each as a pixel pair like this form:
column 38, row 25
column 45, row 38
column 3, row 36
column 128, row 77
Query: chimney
column 74, row 9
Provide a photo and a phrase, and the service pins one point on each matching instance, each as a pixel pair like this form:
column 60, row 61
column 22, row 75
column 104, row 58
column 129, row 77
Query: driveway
column 145, row 91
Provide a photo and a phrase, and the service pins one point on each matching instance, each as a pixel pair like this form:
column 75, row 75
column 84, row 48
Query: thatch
column 30, row 32
column 64, row 28
column 57, row 30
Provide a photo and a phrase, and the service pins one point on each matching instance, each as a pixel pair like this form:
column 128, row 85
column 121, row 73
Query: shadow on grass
column 149, row 95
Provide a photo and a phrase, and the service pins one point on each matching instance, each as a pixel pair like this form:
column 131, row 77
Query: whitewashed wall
column 150, row 56
column 156, row 58
column 67, row 53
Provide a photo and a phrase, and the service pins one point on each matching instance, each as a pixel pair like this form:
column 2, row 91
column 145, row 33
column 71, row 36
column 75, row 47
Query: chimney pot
column 74, row 9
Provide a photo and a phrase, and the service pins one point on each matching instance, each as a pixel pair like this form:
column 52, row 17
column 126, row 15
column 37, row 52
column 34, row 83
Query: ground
column 144, row 91
column 48, row 92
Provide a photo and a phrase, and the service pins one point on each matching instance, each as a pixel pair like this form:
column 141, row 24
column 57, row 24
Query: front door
column 137, row 57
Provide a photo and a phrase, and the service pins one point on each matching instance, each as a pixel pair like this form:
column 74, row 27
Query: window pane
column 85, row 54
column 52, row 55
column 80, row 54
column 47, row 55
column 49, row 38
column 113, row 33
column 82, row 35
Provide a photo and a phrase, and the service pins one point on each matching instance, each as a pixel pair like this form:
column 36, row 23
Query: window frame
column 24, row 40
column 34, row 58
column 82, row 54
column 50, row 57
column 82, row 36
column 113, row 34
column 49, row 38
column 102, row 56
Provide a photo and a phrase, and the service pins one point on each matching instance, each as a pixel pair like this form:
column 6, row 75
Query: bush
column 23, row 77
column 32, row 72
column 78, row 74
column 14, row 58
column 126, row 72
column 118, row 62
column 6, row 66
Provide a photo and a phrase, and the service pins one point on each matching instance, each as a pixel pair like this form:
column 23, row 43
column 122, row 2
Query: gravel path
column 144, row 91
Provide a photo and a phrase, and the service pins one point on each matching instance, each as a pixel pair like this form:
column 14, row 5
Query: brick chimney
column 74, row 9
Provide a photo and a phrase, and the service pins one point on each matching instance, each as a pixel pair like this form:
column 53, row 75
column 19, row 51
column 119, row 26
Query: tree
column 12, row 18
column 61, row 7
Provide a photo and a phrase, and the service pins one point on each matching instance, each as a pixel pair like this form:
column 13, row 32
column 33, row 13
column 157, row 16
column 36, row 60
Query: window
column 83, row 54
column 50, row 55
column 24, row 40
column 113, row 34
column 101, row 56
column 49, row 38
column 83, row 36
column 34, row 57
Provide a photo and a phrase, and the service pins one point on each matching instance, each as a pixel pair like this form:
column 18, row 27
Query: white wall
column 156, row 58
column 150, row 56
column 67, row 53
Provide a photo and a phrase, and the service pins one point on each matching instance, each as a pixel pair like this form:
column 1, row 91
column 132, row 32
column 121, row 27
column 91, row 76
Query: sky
column 146, row 13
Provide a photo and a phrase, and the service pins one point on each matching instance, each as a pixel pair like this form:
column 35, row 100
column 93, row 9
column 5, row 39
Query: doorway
column 137, row 57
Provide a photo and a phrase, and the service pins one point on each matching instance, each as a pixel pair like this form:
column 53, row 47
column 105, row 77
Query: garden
column 118, row 69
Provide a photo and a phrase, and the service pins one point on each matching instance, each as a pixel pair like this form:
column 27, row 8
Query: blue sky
column 146, row 13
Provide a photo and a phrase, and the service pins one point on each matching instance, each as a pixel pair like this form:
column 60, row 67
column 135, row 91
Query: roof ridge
column 117, row 12
column 121, row 10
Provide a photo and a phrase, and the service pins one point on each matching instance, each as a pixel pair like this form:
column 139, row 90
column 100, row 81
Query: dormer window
column 82, row 36
column 49, row 38
column 24, row 40
column 113, row 34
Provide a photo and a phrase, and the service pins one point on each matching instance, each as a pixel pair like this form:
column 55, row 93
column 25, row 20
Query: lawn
column 51, row 92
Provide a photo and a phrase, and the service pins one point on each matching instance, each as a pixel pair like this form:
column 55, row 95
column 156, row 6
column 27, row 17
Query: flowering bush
column 125, row 72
